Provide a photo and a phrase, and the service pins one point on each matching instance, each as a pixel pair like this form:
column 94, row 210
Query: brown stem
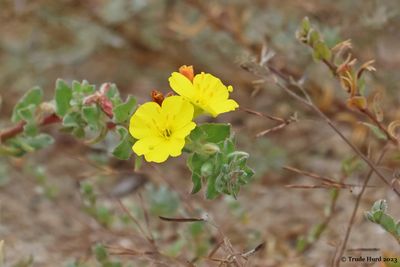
column 19, row 127
column 373, row 118
column 337, row 260
column 50, row 119
column 287, row 84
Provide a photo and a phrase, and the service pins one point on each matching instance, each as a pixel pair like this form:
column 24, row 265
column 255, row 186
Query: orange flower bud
column 157, row 97
column 357, row 102
column 187, row 71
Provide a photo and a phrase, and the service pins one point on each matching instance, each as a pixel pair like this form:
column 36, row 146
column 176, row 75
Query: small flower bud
column 106, row 105
column 210, row 148
column 206, row 169
column 187, row 71
column 238, row 155
column 157, row 97
column 357, row 102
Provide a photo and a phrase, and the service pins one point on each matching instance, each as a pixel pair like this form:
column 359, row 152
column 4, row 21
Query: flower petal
column 142, row 122
column 145, row 145
column 184, row 131
column 181, row 85
column 227, row 105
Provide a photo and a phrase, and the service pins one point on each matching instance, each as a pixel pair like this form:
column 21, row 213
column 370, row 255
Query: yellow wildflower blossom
column 161, row 130
column 206, row 92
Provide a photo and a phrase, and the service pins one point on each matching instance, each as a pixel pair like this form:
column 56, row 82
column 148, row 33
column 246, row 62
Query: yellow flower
column 161, row 130
column 207, row 93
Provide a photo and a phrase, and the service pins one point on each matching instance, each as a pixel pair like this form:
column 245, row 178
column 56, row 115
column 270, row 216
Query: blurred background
column 136, row 44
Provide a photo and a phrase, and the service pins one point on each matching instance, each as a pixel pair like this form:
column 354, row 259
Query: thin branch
column 312, row 175
column 49, row 119
column 337, row 260
column 136, row 222
column 286, row 83
column 19, row 127
column 373, row 118
column 260, row 114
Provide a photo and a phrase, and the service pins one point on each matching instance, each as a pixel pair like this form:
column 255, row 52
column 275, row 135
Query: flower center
column 167, row 133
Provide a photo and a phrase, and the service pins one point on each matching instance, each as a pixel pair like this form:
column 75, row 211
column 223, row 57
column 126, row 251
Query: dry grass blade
column 181, row 219
column 136, row 222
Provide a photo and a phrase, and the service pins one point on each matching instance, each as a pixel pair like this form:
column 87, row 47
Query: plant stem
column 50, row 119
column 337, row 260
column 306, row 100
column 19, row 127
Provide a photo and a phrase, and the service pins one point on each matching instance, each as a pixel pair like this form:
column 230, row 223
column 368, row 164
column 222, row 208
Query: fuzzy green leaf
column 388, row 223
column 73, row 119
column 91, row 114
column 194, row 162
column 100, row 252
column 124, row 111
column 321, row 51
column 31, row 98
column 62, row 97
column 123, row 150
column 376, row 131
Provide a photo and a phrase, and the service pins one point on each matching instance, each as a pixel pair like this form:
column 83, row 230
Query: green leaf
column 210, row 132
column 211, row 192
column 62, row 97
column 123, row 150
column 195, row 162
column 321, row 51
column 28, row 115
column 376, row 131
column 91, row 114
column 377, row 215
column 124, row 111
column 301, row 244
column 398, row 229
column 32, row 97
column 73, row 119
column 388, row 223
column 104, row 215
column 305, row 25
column 31, row 129
column 83, row 88
column 100, row 252
column 313, row 37
column 113, row 95
column 30, row 143
column 379, row 205
column 39, row 141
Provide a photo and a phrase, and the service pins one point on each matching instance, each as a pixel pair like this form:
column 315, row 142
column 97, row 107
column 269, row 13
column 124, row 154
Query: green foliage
column 24, row 144
column 378, row 214
column 163, row 202
column 351, row 165
column 101, row 213
column 307, row 34
column 92, row 116
column 376, row 131
column 83, row 111
column 63, row 96
column 123, row 150
column 124, row 111
column 27, row 104
column 215, row 161
column 103, row 258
